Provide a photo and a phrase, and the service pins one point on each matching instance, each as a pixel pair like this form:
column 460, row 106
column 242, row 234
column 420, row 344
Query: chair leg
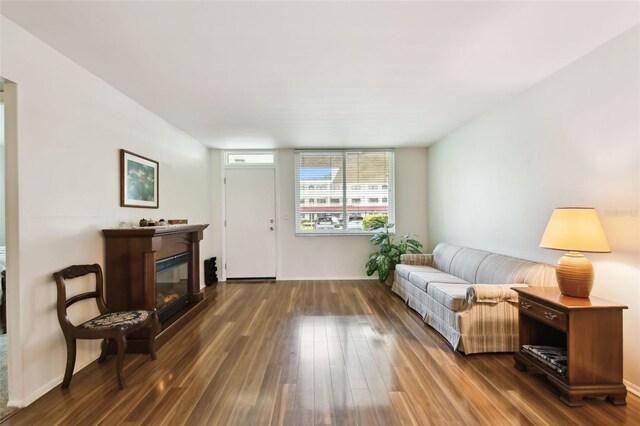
column 154, row 329
column 71, row 361
column 103, row 352
column 121, row 342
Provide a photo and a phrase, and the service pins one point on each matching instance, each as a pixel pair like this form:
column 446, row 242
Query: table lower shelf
column 572, row 395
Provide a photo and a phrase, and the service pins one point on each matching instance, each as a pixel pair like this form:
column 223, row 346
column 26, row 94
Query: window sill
column 334, row 234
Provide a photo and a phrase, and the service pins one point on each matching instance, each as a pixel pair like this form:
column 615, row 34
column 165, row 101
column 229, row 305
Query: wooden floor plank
column 313, row 353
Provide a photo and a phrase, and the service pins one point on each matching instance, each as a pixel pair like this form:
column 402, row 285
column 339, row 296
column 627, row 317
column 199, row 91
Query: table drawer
column 543, row 313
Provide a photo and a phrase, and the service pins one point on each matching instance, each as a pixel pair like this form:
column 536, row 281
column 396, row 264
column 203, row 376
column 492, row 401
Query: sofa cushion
column 500, row 269
column 422, row 279
column 453, row 296
column 404, row 270
column 465, row 263
column 443, row 255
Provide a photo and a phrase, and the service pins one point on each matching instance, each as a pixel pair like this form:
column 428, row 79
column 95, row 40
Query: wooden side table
column 591, row 331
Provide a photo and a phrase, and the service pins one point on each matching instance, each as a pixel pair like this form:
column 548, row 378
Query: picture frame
column 139, row 181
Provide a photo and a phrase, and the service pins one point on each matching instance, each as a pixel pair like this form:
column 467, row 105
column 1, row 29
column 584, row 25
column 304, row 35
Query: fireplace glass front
column 172, row 279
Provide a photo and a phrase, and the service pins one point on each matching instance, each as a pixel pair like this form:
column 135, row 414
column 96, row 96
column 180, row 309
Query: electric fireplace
column 154, row 268
column 172, row 285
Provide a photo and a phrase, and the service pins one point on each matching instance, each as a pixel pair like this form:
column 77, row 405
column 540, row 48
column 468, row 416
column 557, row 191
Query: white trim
column 12, row 221
column 42, row 390
column 347, row 278
column 276, row 188
column 632, row 388
column 223, row 210
column 278, row 218
column 330, row 233
column 226, row 153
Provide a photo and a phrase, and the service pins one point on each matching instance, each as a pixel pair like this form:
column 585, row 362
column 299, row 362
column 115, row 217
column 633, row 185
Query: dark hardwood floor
column 313, row 352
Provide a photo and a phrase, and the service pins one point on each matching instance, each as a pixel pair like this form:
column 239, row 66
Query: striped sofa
column 465, row 294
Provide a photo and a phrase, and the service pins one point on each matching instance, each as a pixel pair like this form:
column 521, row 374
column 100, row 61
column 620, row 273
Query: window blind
column 340, row 191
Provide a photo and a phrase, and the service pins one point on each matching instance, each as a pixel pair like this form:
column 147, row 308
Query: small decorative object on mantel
column 162, row 222
column 143, row 222
column 178, row 221
column 151, row 223
column 139, row 181
column 575, row 229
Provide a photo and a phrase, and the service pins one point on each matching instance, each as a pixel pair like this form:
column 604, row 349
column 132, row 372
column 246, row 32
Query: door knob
column 271, row 228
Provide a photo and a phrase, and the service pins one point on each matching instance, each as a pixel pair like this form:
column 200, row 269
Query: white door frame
column 12, row 232
column 223, row 203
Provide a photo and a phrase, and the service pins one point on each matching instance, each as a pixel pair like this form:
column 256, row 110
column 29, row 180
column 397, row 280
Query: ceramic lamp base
column 575, row 275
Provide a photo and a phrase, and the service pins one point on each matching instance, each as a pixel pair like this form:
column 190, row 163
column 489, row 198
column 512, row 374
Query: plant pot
column 389, row 281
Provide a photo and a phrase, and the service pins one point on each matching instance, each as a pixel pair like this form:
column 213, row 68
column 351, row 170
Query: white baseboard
column 349, row 278
column 38, row 393
column 633, row 388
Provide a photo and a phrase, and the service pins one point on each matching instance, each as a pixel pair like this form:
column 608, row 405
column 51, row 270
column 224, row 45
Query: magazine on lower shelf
column 552, row 356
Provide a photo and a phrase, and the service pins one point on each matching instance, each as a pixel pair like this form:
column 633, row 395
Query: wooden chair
column 107, row 326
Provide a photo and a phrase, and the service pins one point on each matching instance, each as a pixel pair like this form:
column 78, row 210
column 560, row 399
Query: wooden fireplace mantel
column 131, row 255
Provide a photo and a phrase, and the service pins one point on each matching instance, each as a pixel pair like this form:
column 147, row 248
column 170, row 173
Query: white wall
column 343, row 257
column 572, row 140
column 71, row 126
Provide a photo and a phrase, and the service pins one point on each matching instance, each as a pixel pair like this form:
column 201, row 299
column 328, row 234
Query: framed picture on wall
column 139, row 181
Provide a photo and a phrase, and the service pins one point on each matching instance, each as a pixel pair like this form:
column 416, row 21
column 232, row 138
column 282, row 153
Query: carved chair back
column 63, row 303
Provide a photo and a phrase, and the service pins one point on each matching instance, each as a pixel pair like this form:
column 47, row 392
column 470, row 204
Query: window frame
column 228, row 165
column 390, row 187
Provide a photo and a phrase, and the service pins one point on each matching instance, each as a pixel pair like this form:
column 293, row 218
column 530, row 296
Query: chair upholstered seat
column 116, row 319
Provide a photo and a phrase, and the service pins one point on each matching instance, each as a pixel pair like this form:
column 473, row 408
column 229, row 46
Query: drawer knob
column 525, row 305
column 550, row 316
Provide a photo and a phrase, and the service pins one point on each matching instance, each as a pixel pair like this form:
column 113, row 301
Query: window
column 340, row 181
column 249, row 158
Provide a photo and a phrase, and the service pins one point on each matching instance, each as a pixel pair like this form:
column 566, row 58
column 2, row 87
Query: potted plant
column 391, row 247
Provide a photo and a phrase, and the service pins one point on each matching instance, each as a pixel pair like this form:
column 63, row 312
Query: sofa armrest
column 417, row 259
column 492, row 293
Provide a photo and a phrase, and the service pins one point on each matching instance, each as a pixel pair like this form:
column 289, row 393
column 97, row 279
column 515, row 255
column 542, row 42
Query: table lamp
column 575, row 229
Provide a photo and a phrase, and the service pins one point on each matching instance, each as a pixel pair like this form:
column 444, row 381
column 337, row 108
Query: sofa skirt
column 483, row 327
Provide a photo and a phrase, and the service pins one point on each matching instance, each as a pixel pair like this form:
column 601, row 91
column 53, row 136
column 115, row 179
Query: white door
column 250, row 218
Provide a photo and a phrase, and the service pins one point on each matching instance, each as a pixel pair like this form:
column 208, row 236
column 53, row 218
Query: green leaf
column 383, row 268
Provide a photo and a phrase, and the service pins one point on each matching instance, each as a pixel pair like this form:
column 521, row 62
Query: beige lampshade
column 575, row 229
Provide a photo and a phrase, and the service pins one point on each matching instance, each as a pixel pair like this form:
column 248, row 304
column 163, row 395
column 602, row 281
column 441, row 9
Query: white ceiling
column 321, row 74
